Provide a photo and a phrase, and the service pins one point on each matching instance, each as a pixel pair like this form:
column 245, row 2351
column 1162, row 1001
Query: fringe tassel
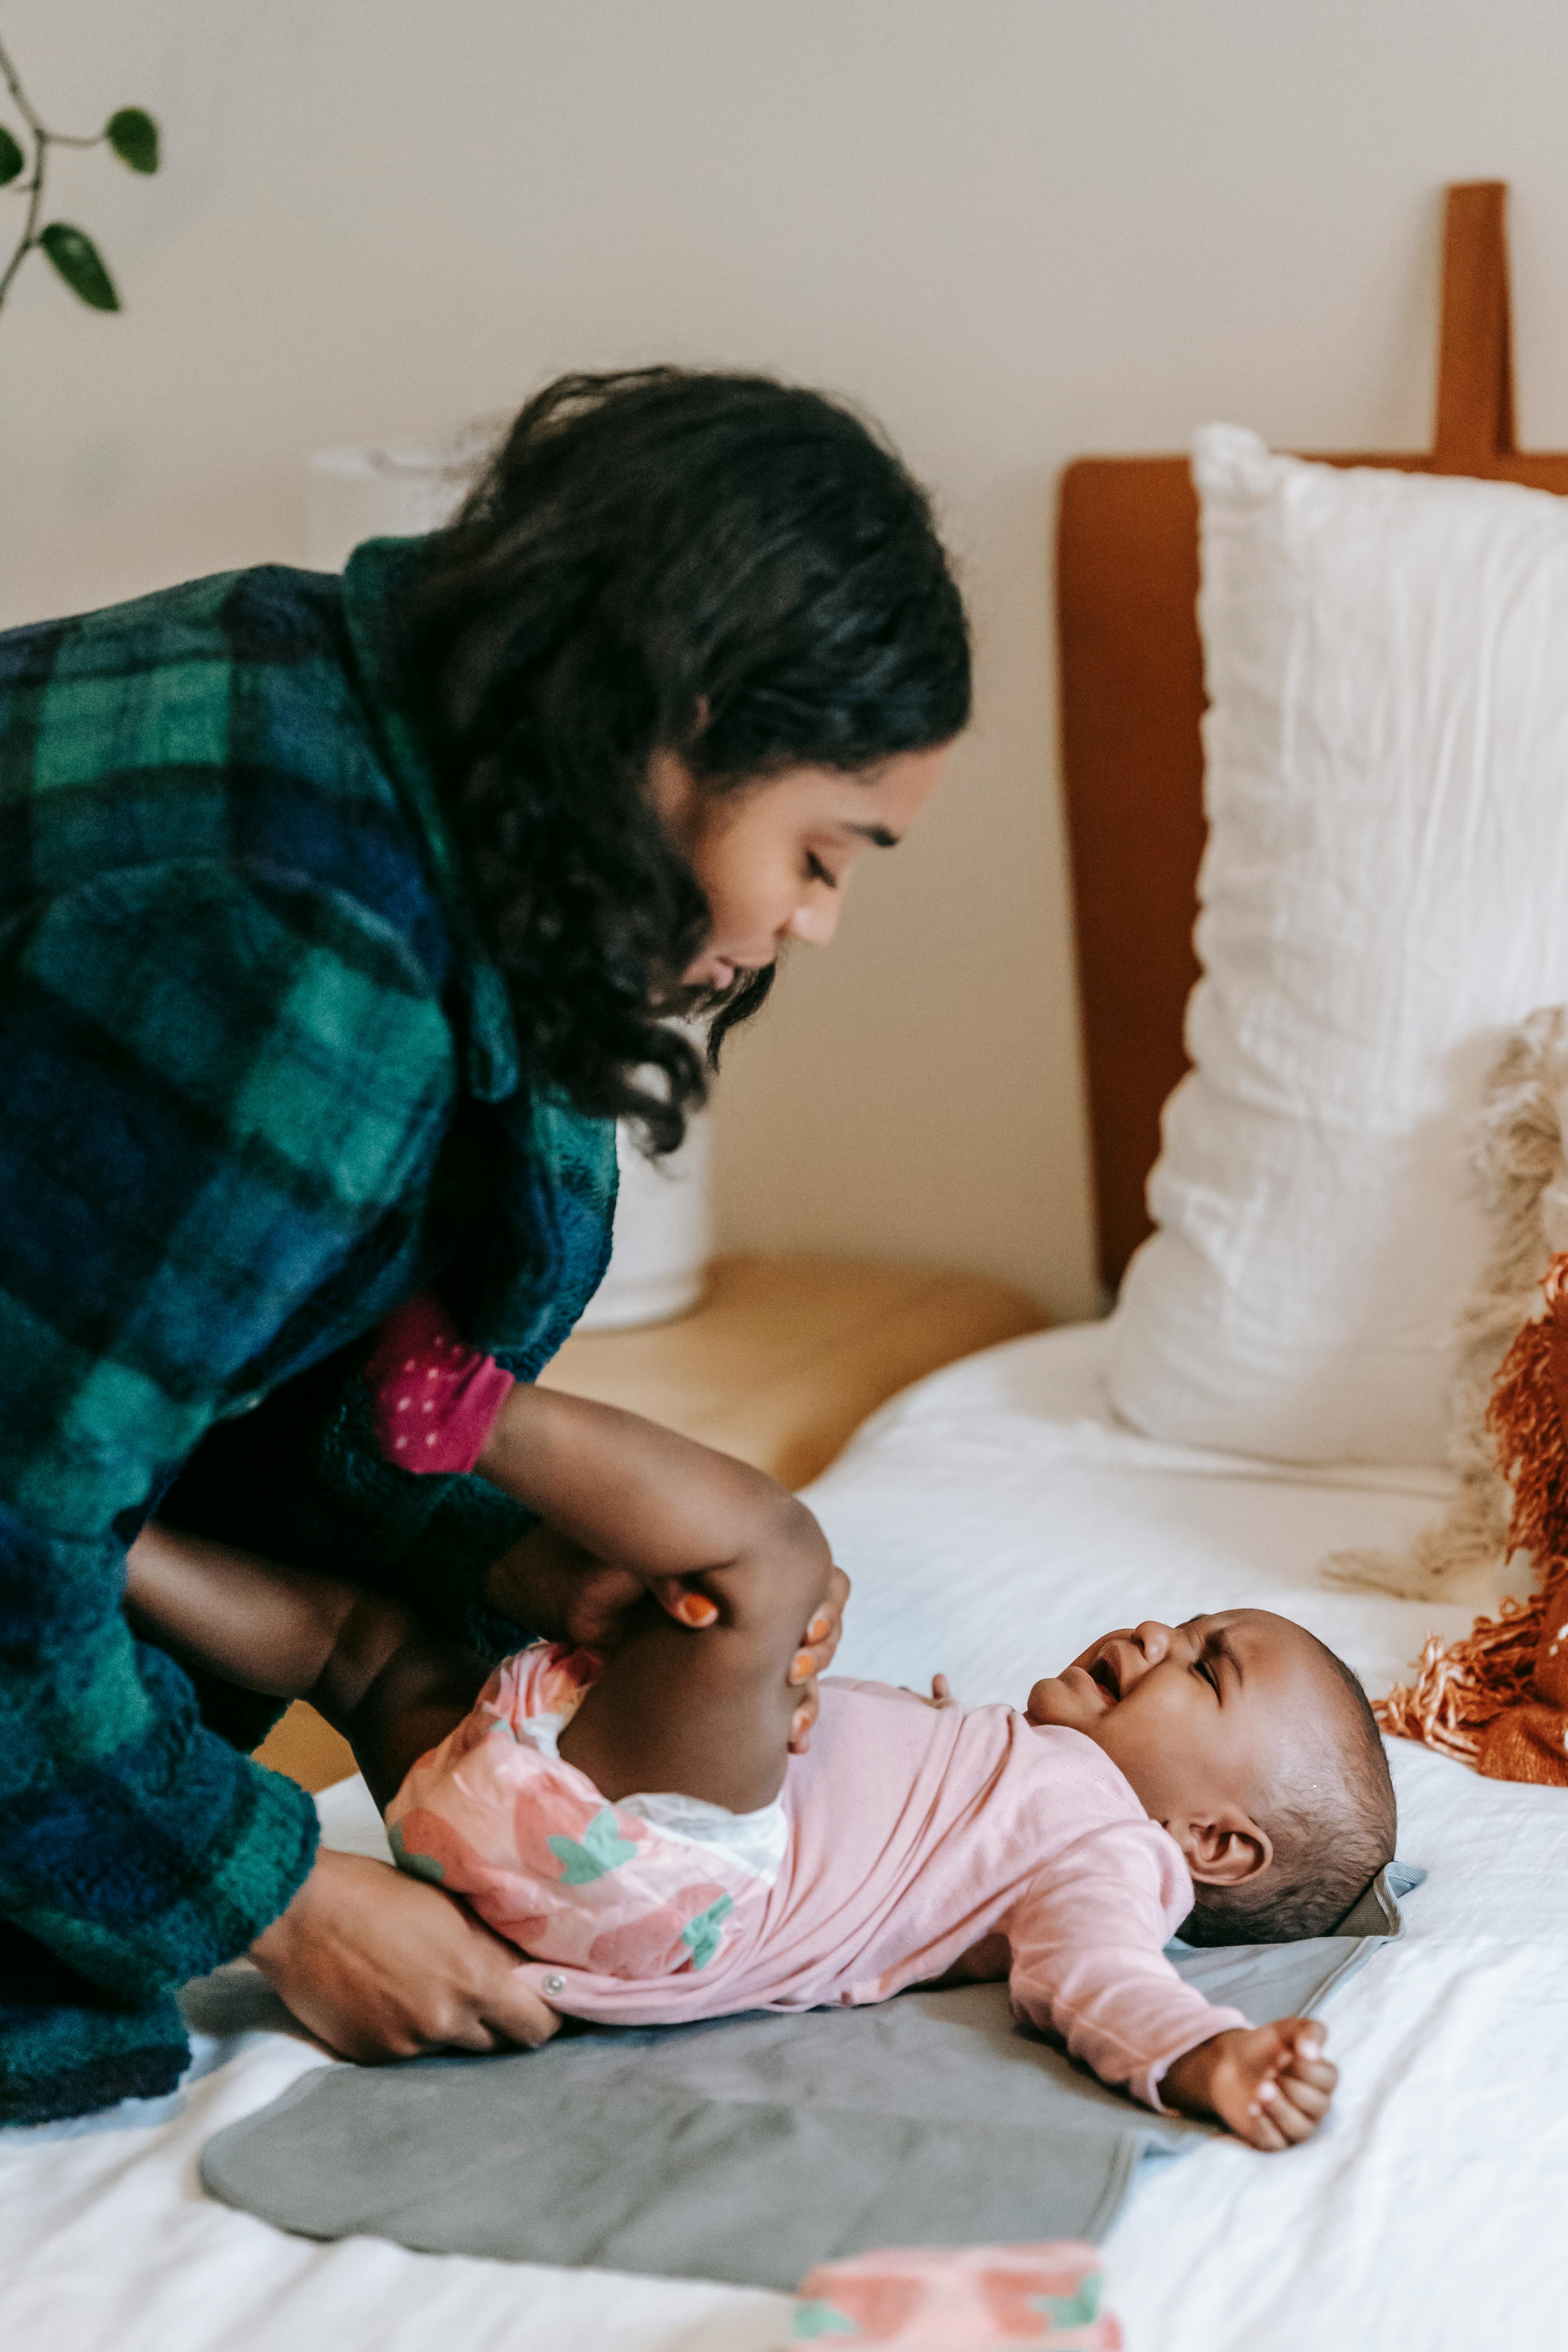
column 1461, row 1691
column 1517, row 1154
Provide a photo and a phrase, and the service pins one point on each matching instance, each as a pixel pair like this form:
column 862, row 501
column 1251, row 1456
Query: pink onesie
column 908, row 1839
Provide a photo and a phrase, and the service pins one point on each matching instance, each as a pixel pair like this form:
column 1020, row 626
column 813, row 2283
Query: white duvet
column 993, row 1519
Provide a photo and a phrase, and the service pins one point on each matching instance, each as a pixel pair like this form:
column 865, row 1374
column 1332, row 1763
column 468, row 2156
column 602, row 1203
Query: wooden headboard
column 1131, row 696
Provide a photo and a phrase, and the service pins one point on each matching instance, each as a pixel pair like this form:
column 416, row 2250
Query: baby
column 636, row 1826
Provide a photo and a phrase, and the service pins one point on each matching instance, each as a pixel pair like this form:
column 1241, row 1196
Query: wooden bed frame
column 1131, row 697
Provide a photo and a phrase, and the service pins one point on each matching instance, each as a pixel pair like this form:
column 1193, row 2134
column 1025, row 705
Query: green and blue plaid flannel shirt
column 243, row 1021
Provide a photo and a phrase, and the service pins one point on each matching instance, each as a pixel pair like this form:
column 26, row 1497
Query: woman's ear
column 673, row 792
column 1226, row 1850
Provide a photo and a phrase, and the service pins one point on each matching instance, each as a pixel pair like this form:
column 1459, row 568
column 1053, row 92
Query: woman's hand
column 380, row 1966
column 556, row 1589
column 814, row 1657
column 560, row 1592
column 1270, row 2083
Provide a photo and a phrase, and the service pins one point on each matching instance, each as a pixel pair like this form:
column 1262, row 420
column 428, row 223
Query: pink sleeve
column 1088, row 1962
column 435, row 1397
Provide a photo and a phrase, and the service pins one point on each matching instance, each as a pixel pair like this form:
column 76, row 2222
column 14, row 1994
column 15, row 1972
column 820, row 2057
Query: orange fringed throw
column 1498, row 1699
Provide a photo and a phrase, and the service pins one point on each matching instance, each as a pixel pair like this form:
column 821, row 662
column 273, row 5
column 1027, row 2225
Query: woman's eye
column 817, row 872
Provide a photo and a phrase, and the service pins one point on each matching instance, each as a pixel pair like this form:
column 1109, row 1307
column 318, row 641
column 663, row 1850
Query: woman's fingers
column 823, row 1631
column 681, row 1598
column 382, row 1966
column 684, row 1599
column 802, row 1721
column 517, row 2015
column 556, row 1590
column 827, row 1625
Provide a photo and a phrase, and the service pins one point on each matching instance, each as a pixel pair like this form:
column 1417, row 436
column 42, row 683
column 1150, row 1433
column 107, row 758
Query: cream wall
column 1017, row 229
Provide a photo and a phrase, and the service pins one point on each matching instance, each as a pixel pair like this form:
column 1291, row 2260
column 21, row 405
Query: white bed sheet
column 995, row 1518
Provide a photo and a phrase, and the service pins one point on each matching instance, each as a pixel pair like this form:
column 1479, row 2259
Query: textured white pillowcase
column 1385, row 892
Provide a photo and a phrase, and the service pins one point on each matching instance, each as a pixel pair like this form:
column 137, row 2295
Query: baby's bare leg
column 707, row 1713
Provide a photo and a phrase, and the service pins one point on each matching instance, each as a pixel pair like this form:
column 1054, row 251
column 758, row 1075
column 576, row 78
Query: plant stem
column 19, row 94
column 43, row 140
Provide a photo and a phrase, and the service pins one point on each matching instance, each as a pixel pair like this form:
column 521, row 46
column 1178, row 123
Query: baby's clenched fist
column 1271, row 2084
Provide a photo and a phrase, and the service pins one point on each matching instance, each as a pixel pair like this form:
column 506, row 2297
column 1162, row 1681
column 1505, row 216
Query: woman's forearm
column 366, row 1662
column 261, row 1626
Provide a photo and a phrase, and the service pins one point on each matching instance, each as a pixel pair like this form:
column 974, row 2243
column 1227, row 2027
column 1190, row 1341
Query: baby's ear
column 1226, row 1850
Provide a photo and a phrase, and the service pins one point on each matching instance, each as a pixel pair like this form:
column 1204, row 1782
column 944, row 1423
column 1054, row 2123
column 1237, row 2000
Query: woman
column 339, row 922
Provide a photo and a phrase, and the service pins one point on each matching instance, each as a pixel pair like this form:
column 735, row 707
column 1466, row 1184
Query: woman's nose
column 814, row 920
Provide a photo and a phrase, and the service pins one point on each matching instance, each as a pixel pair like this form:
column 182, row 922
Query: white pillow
column 1385, row 892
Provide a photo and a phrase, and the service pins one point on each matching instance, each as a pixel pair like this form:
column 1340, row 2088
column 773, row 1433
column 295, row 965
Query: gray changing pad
column 752, row 2147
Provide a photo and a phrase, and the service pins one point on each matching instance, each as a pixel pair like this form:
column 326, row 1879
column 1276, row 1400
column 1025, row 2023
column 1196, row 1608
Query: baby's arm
column 1271, row 2084
column 1089, row 1963
column 369, row 1664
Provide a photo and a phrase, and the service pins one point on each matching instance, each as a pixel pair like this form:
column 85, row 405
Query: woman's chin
column 711, row 973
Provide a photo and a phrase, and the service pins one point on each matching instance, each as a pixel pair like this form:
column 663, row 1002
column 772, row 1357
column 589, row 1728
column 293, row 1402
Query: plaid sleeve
column 215, row 1080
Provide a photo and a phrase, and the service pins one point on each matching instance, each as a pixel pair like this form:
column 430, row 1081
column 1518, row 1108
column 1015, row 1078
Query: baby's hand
column 1270, row 2084
column 940, row 1693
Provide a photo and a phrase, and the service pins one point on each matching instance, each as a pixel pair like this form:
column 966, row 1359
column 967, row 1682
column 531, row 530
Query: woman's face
column 774, row 859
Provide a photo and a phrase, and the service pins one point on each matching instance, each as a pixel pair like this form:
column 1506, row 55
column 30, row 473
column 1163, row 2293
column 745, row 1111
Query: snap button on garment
column 555, row 1984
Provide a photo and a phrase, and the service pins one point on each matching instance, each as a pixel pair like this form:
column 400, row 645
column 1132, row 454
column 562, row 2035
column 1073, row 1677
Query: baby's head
column 1255, row 1747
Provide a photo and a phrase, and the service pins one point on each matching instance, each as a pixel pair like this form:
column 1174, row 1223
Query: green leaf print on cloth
column 814, row 2320
column 1079, row 2310
column 602, row 1849
column 418, row 1865
column 703, row 1935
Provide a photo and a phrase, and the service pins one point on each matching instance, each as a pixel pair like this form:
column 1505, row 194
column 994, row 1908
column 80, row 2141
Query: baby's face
column 1202, row 1717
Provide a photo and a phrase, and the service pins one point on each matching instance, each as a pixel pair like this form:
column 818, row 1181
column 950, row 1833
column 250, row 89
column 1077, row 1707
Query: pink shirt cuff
column 435, row 1398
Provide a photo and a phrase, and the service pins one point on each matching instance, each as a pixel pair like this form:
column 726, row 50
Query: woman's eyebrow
column 876, row 834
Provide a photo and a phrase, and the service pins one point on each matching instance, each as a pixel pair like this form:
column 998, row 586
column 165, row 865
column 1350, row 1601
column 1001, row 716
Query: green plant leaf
column 133, row 136
column 11, row 158
column 77, row 260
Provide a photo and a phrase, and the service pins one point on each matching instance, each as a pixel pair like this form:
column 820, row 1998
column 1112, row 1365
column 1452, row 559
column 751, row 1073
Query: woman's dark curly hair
column 720, row 565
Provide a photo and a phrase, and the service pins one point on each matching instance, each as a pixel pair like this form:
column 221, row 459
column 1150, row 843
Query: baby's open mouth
column 1103, row 1672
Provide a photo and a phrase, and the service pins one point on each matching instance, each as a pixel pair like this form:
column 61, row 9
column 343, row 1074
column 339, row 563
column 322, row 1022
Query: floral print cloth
column 932, row 2300
column 648, row 1888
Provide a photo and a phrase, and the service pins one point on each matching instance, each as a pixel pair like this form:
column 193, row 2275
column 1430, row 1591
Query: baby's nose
column 1154, row 1639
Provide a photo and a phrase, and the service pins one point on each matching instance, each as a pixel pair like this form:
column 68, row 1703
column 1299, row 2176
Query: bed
column 994, row 1517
